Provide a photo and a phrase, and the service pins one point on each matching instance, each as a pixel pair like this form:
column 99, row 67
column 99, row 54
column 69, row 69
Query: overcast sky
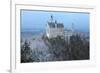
column 38, row 19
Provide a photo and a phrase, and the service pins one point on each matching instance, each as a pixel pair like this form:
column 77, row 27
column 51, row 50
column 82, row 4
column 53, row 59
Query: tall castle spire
column 51, row 17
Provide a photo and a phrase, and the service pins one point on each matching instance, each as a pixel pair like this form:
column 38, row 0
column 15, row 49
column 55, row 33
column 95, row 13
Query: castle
column 54, row 29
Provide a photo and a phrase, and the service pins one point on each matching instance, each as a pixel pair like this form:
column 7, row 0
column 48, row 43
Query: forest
column 57, row 49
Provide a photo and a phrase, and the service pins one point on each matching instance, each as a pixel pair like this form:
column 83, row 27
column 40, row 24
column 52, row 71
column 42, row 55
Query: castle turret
column 51, row 18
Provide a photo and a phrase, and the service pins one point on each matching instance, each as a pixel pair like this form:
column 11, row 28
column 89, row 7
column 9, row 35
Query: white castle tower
column 54, row 29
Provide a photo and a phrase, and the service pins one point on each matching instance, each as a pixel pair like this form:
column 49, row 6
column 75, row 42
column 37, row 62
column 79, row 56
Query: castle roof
column 60, row 25
column 53, row 25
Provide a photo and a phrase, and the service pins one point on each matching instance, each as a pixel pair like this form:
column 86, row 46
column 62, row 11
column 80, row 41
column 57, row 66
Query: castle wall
column 54, row 32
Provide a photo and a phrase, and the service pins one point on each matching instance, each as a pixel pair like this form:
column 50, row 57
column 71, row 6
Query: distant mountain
column 32, row 30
